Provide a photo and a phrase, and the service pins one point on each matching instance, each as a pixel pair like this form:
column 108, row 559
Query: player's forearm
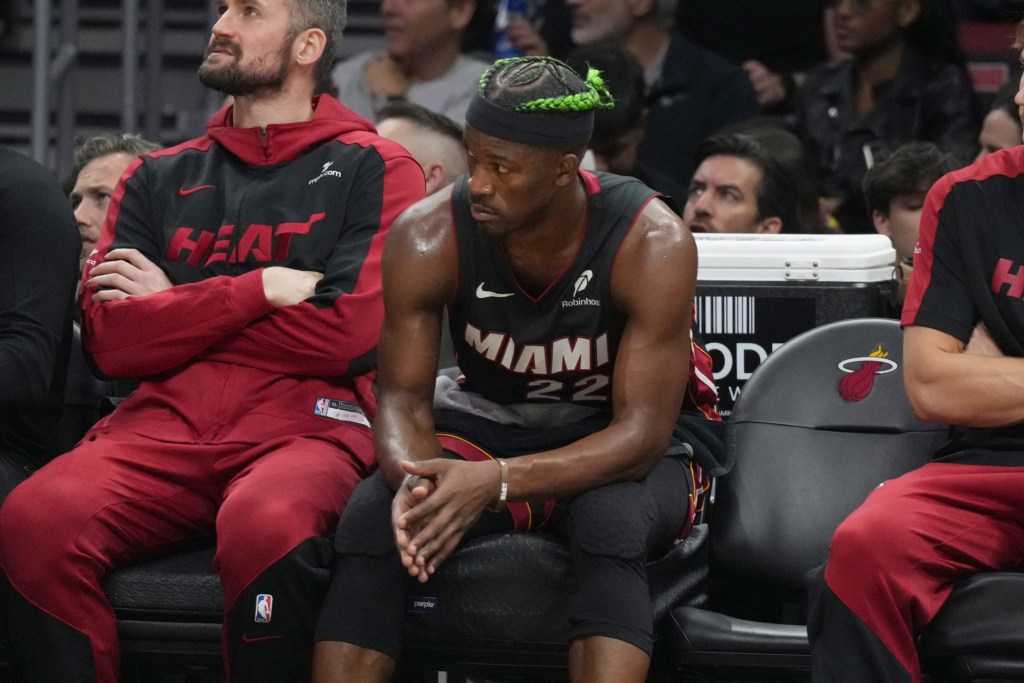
column 146, row 335
column 310, row 341
column 966, row 389
column 623, row 451
column 404, row 430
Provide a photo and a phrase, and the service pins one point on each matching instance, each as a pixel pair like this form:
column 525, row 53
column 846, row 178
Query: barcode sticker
column 725, row 314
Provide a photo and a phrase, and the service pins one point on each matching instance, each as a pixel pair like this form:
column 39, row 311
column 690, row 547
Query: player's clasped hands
column 432, row 513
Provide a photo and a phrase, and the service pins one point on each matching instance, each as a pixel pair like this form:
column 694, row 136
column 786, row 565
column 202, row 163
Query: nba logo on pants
column 264, row 606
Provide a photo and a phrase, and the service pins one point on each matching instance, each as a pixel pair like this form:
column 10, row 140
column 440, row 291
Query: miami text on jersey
column 560, row 355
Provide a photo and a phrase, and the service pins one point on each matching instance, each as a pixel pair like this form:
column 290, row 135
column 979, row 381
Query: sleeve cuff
column 248, row 297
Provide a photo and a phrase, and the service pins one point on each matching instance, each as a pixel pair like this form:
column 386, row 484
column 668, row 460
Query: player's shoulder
column 429, row 217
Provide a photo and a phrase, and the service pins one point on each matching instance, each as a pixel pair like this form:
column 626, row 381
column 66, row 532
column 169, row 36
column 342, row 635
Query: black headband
column 530, row 128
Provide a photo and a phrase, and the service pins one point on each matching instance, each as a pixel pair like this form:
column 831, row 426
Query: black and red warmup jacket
column 217, row 360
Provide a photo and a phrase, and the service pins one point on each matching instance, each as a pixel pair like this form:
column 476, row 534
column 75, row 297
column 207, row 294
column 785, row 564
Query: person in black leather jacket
column 904, row 81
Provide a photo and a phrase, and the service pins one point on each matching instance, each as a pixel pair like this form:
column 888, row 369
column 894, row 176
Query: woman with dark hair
column 904, row 80
column 1001, row 128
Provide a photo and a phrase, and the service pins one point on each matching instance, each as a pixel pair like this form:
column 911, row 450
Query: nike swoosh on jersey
column 182, row 192
column 482, row 293
column 255, row 639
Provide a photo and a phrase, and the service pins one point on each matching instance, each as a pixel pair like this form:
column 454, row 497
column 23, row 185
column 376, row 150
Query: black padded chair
column 978, row 635
column 496, row 608
column 169, row 613
column 818, row 426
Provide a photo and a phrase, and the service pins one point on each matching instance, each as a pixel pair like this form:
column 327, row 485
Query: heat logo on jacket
column 259, row 242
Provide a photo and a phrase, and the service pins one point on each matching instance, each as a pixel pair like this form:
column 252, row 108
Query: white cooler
column 755, row 292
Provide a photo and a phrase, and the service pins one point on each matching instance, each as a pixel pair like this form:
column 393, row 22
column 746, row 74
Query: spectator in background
column 38, row 258
column 543, row 30
column 776, row 42
column 739, row 187
column 238, row 275
column 422, row 61
column 99, row 161
column 904, row 81
column 691, row 91
column 434, row 140
column 786, row 147
column 619, row 130
column 1001, row 128
column 895, row 188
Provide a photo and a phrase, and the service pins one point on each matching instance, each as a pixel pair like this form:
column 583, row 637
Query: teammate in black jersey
column 570, row 299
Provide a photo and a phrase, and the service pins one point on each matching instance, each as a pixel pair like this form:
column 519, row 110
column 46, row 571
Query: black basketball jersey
column 561, row 345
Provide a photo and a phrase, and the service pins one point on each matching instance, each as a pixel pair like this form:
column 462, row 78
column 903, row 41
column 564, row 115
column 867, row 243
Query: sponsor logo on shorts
column 422, row 604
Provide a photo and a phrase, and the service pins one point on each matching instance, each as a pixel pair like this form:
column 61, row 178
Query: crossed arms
column 973, row 384
column 138, row 324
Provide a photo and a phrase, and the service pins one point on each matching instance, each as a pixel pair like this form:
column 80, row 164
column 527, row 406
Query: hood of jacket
column 281, row 142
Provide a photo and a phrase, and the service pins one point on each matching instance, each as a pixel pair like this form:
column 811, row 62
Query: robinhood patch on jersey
column 343, row 411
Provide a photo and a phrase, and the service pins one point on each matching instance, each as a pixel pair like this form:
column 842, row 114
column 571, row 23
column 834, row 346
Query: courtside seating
column 806, row 454
column 819, row 424
column 817, row 427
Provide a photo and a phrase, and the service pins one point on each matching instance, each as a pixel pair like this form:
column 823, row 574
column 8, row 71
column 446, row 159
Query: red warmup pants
column 893, row 562
column 121, row 497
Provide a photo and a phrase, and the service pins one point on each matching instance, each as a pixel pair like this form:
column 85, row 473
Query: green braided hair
column 544, row 84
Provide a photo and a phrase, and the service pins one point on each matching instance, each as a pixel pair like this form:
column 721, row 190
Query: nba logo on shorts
column 264, row 605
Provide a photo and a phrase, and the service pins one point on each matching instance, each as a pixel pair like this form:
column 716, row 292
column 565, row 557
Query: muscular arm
column 420, row 266
column 947, row 384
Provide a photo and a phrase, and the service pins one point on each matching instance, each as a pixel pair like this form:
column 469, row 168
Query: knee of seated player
column 613, row 520
column 250, row 526
column 870, row 541
column 365, row 525
column 39, row 522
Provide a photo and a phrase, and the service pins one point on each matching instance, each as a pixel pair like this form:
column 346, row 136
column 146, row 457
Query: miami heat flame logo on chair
column 858, row 382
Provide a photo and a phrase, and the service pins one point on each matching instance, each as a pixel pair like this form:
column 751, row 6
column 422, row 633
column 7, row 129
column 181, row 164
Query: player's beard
column 234, row 79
